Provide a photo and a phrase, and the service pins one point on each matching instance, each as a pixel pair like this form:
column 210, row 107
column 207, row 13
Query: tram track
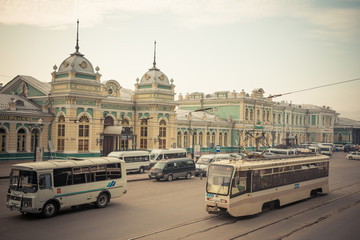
column 235, row 220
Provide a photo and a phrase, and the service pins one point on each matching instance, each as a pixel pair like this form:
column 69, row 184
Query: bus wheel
column 141, row 170
column 49, row 210
column 188, row 175
column 350, row 158
column 102, row 201
column 170, row 178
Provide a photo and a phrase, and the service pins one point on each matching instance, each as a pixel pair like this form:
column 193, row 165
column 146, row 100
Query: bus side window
column 62, row 177
column 45, row 181
column 113, row 171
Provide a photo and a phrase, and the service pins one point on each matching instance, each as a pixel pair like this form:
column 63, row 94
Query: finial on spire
column 154, row 63
column 77, row 37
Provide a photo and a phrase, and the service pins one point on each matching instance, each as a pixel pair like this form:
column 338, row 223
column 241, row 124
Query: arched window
column 213, row 138
column 125, row 122
column 258, row 115
column 297, row 120
column 2, row 140
column 109, row 121
column 287, row 118
column 279, row 118
column 178, row 139
column 225, row 139
column 251, row 115
column 263, row 116
column 61, row 134
column 208, row 139
column 35, row 138
column 246, row 114
column 267, row 116
column 220, row 139
column 201, row 139
column 124, row 143
column 84, row 134
column 292, row 120
column 21, row 140
column 194, row 138
column 186, row 139
column 162, row 134
column 273, row 119
column 340, row 137
column 143, row 133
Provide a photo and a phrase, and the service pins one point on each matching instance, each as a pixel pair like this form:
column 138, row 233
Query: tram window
column 297, row 176
column 297, row 167
column 285, row 178
column 276, row 180
column 239, row 184
column 266, row 182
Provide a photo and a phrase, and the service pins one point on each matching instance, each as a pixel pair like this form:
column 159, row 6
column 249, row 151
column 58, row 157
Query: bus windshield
column 218, row 181
column 22, row 180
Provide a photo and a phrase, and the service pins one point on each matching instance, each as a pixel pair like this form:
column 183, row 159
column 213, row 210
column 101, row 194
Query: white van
column 164, row 154
column 135, row 161
column 203, row 163
column 325, row 149
column 283, row 151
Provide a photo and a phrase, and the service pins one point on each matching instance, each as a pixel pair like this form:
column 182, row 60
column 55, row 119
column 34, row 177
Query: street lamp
column 193, row 133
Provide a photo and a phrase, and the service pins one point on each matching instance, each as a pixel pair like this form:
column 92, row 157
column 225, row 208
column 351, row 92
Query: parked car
column 349, row 148
column 172, row 169
column 339, row 147
column 353, row 155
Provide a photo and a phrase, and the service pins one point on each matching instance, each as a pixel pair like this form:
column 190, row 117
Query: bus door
column 45, row 191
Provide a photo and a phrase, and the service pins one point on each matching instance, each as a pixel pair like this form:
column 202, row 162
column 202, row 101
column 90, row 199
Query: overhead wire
column 312, row 88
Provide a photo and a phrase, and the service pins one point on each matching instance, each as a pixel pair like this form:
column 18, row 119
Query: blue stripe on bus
column 74, row 193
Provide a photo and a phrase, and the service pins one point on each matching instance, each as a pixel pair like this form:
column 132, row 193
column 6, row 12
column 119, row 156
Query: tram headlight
column 223, row 200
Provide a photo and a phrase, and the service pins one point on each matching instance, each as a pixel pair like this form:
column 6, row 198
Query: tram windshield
column 25, row 181
column 219, row 178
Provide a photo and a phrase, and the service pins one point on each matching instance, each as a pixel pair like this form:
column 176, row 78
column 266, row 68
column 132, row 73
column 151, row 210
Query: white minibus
column 283, row 151
column 49, row 186
column 164, row 154
column 203, row 163
column 135, row 161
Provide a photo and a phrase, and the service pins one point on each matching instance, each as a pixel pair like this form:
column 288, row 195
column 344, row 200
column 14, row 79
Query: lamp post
column 193, row 132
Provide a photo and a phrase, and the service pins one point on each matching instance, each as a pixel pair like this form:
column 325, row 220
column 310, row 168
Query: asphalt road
column 175, row 210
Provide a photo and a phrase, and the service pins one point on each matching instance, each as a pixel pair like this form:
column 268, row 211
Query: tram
column 247, row 187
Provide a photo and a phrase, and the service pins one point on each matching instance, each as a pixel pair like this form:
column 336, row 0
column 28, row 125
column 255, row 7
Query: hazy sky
column 204, row 45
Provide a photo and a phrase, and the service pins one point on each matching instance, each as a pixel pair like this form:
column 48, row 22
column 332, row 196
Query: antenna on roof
column 154, row 63
column 77, row 37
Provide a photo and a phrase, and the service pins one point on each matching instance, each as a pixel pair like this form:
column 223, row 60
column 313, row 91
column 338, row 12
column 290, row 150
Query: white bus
column 135, row 161
column 203, row 163
column 164, row 154
column 283, row 151
column 49, row 186
column 245, row 187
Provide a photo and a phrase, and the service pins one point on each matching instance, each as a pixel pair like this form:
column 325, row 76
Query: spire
column 77, row 37
column 154, row 63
